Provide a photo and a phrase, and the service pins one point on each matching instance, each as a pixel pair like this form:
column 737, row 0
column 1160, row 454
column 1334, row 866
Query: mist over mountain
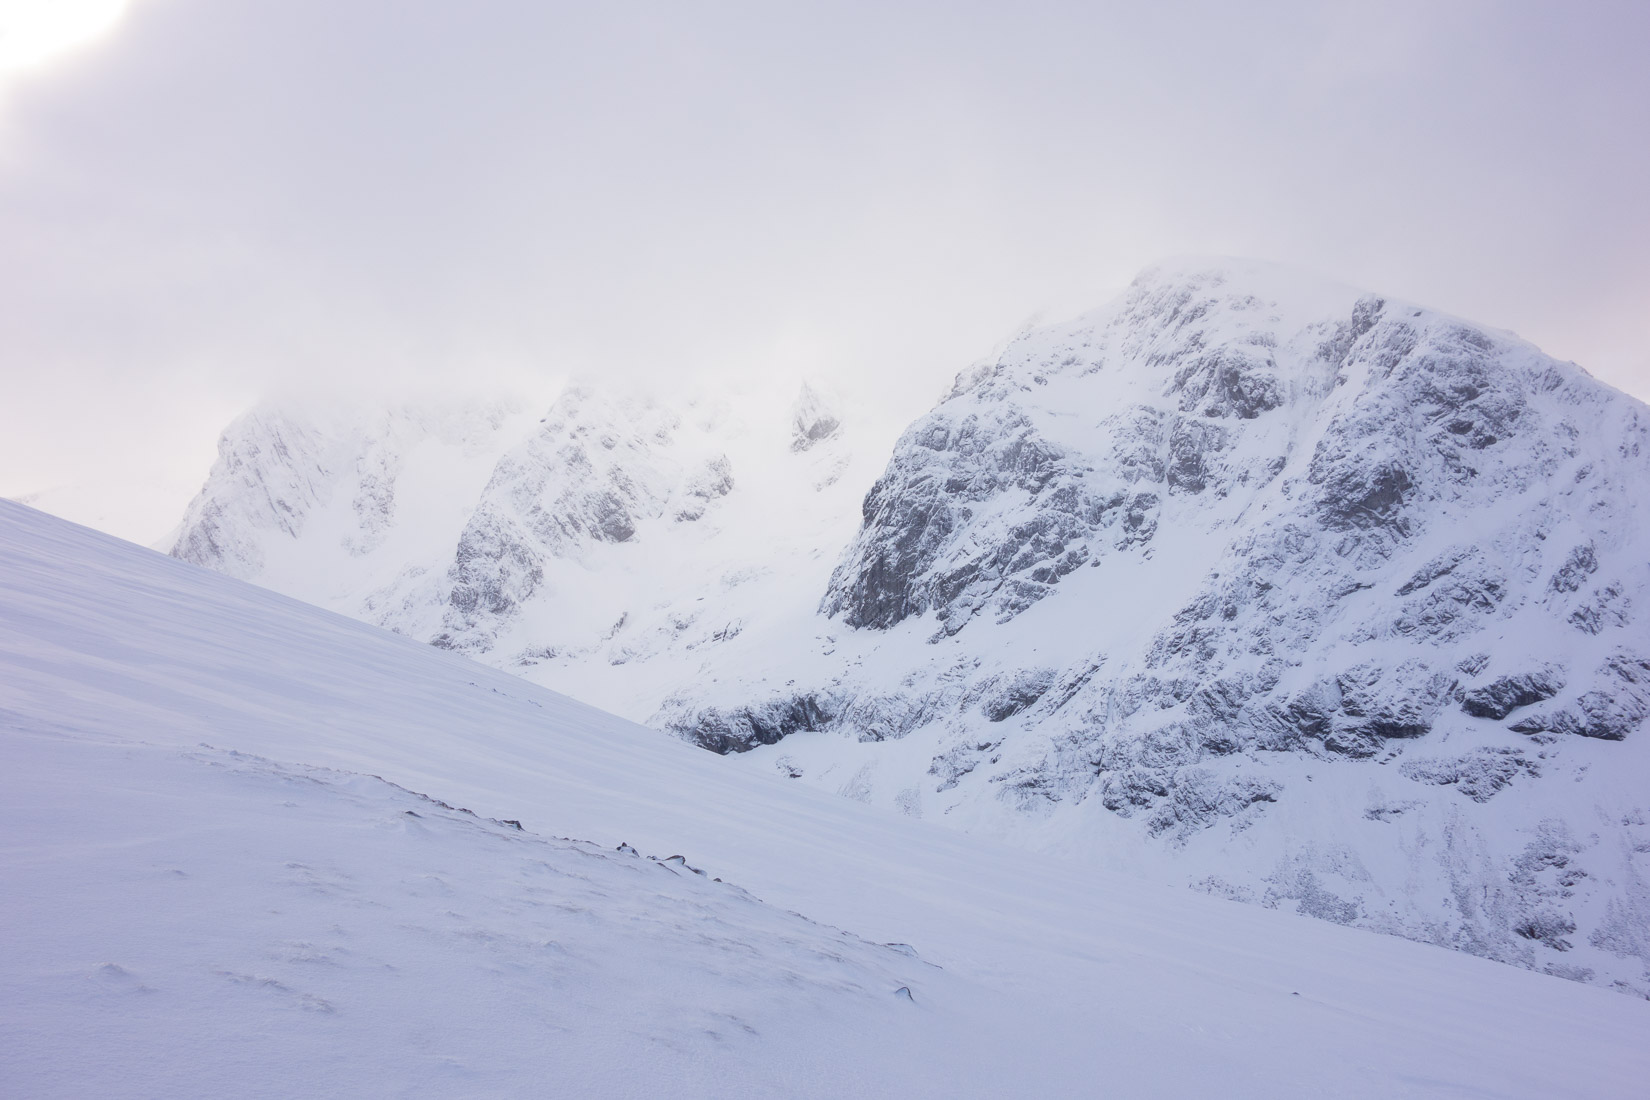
column 1290, row 592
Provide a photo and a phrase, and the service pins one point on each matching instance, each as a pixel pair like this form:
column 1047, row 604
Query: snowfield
column 254, row 848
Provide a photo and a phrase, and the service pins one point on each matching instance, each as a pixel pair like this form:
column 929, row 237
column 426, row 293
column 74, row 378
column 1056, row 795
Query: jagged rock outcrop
column 1505, row 694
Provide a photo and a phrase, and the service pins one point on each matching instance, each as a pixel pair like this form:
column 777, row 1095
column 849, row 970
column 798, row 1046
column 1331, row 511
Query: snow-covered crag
column 1304, row 596
column 600, row 548
column 309, row 495
column 1291, row 593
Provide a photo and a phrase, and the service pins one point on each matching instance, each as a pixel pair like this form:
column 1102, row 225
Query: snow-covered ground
column 219, row 880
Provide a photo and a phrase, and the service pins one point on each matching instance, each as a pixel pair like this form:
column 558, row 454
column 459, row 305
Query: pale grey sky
column 228, row 197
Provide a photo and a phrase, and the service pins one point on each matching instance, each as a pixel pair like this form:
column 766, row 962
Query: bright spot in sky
column 34, row 32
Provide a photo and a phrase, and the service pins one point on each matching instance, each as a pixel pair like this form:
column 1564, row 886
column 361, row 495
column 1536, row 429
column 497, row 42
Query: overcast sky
column 225, row 198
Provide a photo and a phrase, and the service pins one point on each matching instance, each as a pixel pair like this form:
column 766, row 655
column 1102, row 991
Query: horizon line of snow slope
column 1264, row 586
column 264, row 915
column 604, row 544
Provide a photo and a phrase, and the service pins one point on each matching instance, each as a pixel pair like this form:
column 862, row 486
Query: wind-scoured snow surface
column 254, row 848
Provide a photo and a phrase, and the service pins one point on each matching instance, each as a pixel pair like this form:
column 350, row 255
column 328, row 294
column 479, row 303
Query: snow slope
column 220, row 879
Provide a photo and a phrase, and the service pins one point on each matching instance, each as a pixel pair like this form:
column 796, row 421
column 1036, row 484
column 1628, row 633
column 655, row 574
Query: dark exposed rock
column 1605, row 606
column 1377, row 703
column 1193, row 447
column 943, row 465
column 813, row 419
column 1019, row 692
column 1237, row 382
column 1479, row 775
column 1453, row 607
column 1609, row 712
column 743, row 728
column 1505, row 694
column 1313, row 900
column 1196, row 799
column 950, row 766
column 1581, row 563
column 1358, row 496
column 1548, row 926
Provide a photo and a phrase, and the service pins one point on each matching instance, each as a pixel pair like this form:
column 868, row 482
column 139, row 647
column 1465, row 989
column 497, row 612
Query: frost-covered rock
column 1616, row 706
column 1478, row 774
column 1505, row 694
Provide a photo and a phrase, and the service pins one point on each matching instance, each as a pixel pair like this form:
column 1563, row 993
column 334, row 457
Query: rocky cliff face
column 1243, row 552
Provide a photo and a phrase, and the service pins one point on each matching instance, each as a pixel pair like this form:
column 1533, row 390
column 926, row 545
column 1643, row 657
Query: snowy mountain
column 1291, row 593
column 254, row 848
column 1298, row 595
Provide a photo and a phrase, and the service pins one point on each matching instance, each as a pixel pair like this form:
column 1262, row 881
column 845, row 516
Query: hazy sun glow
column 34, row 32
